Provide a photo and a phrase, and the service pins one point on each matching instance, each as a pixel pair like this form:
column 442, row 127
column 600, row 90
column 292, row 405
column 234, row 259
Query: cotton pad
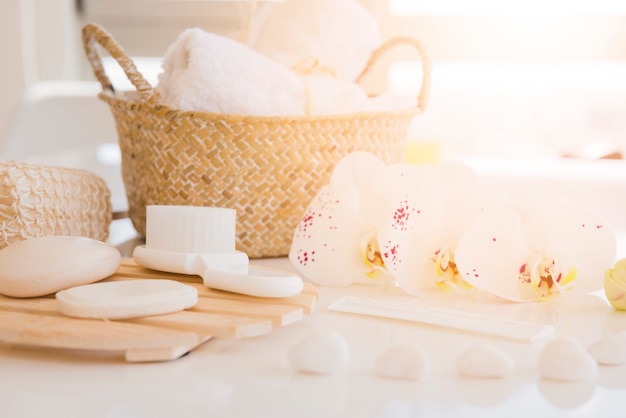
column 323, row 352
column 403, row 362
column 44, row 265
column 485, row 361
column 126, row 299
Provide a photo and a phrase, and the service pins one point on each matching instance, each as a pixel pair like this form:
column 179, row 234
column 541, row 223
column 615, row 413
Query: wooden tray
column 36, row 321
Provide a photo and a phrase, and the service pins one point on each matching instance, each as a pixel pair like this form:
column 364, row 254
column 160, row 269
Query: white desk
column 252, row 377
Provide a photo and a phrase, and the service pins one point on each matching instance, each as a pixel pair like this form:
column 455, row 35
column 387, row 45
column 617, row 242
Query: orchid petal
column 490, row 253
column 408, row 234
column 325, row 247
column 579, row 240
column 358, row 171
column 465, row 198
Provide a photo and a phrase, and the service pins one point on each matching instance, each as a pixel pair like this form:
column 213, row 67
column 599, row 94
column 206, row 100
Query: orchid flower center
column 448, row 271
column 540, row 277
column 372, row 257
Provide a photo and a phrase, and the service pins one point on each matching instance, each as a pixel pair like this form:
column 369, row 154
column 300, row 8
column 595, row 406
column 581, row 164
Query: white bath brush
column 201, row 241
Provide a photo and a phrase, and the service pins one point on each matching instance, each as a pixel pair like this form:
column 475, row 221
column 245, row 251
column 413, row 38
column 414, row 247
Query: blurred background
column 515, row 79
column 520, row 78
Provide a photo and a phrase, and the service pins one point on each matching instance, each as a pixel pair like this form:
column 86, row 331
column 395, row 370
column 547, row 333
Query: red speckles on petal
column 306, row 222
column 402, row 215
column 390, row 252
column 524, row 274
column 305, row 257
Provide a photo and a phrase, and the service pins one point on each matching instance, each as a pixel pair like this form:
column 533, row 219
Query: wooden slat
column 158, row 354
column 223, row 326
column 208, row 324
column 34, row 305
column 278, row 314
column 64, row 332
column 37, row 321
column 303, row 300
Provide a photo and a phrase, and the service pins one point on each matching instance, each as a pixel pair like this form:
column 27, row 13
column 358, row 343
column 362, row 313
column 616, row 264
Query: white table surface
column 253, row 378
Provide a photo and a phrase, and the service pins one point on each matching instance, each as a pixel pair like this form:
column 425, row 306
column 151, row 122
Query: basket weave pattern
column 267, row 168
column 39, row 201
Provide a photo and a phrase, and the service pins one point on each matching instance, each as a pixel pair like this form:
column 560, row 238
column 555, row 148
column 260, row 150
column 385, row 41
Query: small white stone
column 45, row 265
column 403, row 362
column 322, row 352
column 565, row 359
column 485, row 362
column 610, row 350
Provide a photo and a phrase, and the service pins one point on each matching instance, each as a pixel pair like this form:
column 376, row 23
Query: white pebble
column 565, row 359
column 403, row 362
column 485, row 362
column 322, row 352
column 610, row 350
column 45, row 265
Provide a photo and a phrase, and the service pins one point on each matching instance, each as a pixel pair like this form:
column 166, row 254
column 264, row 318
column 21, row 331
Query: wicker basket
column 267, row 168
column 37, row 201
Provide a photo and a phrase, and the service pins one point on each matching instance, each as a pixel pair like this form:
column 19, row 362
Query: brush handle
column 189, row 263
column 260, row 281
column 229, row 272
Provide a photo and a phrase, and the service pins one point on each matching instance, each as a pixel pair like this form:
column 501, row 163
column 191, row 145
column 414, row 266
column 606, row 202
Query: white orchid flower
column 442, row 227
column 375, row 223
column 449, row 199
column 535, row 251
column 325, row 243
column 337, row 242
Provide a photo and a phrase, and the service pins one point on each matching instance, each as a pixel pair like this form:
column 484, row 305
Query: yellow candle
column 422, row 152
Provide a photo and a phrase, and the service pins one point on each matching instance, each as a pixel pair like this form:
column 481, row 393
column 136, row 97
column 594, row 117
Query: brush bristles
column 190, row 229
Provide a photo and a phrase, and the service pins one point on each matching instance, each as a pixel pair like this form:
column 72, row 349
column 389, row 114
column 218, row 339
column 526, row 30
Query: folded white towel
column 340, row 33
column 330, row 96
column 208, row 72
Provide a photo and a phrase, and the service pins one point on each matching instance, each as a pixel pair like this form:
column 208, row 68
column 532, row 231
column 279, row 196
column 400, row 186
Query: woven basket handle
column 422, row 98
column 94, row 35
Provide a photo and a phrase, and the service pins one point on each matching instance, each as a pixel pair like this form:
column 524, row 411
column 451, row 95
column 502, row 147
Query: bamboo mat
column 218, row 314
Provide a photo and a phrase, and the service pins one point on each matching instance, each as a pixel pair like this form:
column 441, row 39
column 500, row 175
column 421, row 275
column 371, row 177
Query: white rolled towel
column 208, row 72
column 332, row 96
column 341, row 34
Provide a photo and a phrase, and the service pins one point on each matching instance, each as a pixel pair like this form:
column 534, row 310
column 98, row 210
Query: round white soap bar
column 126, row 299
column 44, row 265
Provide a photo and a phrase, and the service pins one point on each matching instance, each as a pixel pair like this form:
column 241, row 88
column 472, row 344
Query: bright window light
column 500, row 8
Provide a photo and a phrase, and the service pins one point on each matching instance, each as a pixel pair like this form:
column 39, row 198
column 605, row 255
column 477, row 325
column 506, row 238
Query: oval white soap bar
column 126, row 299
column 44, row 265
